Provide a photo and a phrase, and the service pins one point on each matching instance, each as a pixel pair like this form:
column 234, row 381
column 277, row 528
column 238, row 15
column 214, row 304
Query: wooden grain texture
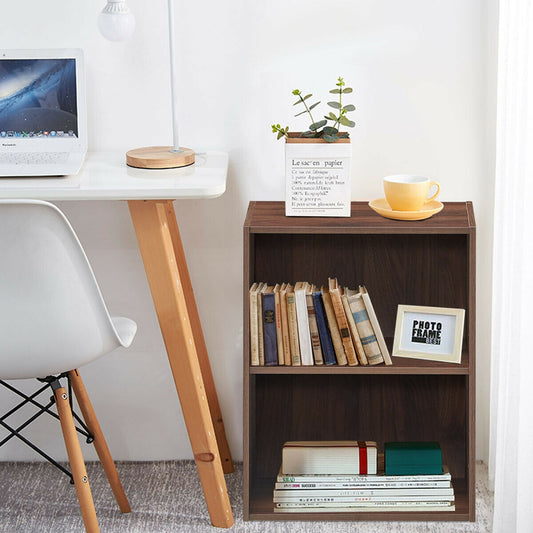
column 431, row 263
column 159, row 157
column 163, row 270
column 99, row 441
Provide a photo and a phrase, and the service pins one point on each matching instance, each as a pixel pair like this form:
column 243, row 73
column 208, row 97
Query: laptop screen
column 38, row 98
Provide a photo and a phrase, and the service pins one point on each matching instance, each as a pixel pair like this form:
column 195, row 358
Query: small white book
column 329, row 457
column 302, row 316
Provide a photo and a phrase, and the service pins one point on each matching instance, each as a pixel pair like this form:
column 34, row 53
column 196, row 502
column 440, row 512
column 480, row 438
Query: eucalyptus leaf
column 346, row 122
column 313, row 106
column 307, row 96
column 317, row 125
column 347, row 90
column 331, row 116
column 335, row 91
column 301, row 113
column 329, row 138
column 280, row 134
column 336, row 105
column 330, row 131
column 307, row 134
column 349, row 107
column 298, row 102
column 343, row 135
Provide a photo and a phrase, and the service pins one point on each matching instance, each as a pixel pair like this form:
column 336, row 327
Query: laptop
column 43, row 119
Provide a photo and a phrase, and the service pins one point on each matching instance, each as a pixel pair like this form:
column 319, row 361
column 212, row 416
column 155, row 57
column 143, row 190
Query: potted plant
column 317, row 161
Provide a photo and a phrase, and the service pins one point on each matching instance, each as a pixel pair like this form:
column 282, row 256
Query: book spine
column 313, row 328
column 279, row 331
column 260, row 341
column 304, row 335
column 270, row 341
column 362, row 479
column 293, row 330
column 353, row 331
column 344, row 330
column 381, row 506
column 254, row 334
column 345, row 493
column 375, row 324
column 365, row 485
column 364, row 327
column 285, row 327
column 326, row 343
column 334, row 329
column 355, row 499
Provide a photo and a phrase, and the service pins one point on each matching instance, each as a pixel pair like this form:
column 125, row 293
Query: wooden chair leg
column 99, row 442
column 79, row 473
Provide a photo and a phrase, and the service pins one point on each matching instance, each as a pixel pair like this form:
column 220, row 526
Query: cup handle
column 437, row 193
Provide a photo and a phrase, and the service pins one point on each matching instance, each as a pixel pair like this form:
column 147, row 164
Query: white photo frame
column 430, row 333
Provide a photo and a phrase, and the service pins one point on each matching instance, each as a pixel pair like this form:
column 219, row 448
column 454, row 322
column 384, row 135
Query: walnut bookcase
column 430, row 262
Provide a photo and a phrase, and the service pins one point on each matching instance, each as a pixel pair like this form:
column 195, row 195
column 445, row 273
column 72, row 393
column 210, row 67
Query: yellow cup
column 405, row 192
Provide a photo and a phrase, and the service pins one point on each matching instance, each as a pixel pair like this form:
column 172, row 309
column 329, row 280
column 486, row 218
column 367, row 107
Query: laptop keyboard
column 33, row 158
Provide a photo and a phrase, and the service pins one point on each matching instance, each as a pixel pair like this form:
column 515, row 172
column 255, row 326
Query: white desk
column 149, row 193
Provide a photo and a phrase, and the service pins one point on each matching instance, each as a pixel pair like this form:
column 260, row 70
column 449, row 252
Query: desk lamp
column 117, row 23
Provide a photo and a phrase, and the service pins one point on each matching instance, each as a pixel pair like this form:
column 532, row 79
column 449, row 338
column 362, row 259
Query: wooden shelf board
column 269, row 217
column 401, row 365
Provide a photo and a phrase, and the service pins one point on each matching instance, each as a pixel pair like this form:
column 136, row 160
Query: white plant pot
column 317, row 177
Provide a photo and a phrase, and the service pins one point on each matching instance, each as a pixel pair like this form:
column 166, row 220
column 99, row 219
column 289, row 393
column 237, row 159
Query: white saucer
column 382, row 207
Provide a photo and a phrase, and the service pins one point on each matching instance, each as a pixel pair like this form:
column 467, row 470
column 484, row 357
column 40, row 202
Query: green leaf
column 296, row 92
column 349, row 107
column 336, row 105
column 298, row 102
column 317, row 125
column 347, row 90
column 329, row 138
column 280, row 135
column 331, row 116
column 330, row 131
column 307, row 96
column 347, row 122
column 343, row 135
column 313, row 106
column 307, row 134
column 301, row 113
column 335, row 91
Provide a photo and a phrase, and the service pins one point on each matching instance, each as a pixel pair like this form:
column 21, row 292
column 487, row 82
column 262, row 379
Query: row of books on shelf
column 349, row 476
column 301, row 324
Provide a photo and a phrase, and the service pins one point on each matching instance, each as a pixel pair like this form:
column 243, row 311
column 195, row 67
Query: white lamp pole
column 116, row 23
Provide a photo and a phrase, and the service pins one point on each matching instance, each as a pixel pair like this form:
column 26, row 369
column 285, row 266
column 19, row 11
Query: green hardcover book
column 412, row 458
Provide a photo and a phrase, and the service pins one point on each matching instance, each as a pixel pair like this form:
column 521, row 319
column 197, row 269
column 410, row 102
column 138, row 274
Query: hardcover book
column 353, row 330
column 304, row 335
column 254, row 327
column 270, row 341
column 293, row 327
column 285, row 325
column 340, row 315
column 333, row 328
column 328, row 352
column 279, row 334
column 364, row 327
column 313, row 327
column 329, row 457
column 375, row 324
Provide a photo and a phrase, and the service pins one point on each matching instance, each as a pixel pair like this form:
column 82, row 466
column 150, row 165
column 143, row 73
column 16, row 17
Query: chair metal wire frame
column 53, row 382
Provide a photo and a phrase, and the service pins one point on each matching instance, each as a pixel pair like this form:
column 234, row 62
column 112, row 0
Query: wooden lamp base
column 159, row 157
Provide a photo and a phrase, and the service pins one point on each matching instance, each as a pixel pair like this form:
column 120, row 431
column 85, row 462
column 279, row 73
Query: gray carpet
column 165, row 497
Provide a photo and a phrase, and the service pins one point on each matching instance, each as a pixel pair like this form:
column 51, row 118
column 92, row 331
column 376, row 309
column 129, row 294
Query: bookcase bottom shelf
column 262, row 508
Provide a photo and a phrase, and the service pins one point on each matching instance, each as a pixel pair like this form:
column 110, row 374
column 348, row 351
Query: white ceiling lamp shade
column 116, row 22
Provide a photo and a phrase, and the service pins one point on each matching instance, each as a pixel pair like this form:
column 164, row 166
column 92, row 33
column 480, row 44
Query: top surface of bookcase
column 269, row 217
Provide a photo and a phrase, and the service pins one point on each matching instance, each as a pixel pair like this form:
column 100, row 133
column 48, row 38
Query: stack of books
column 302, row 324
column 314, row 480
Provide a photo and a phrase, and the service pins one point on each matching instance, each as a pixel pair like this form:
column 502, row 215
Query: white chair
column 53, row 320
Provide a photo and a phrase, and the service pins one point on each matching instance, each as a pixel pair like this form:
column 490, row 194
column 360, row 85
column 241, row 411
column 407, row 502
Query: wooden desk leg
column 199, row 341
column 152, row 226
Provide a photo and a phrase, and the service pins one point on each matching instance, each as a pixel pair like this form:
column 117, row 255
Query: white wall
column 423, row 78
